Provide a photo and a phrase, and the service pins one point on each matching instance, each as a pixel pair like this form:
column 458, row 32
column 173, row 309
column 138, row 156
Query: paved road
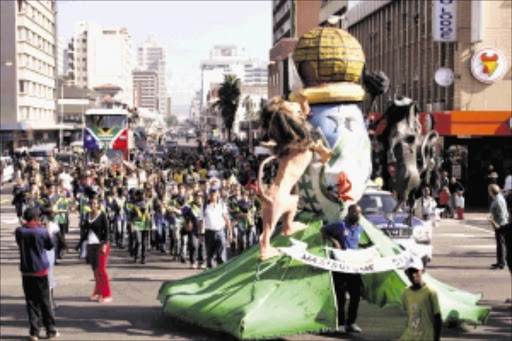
column 463, row 252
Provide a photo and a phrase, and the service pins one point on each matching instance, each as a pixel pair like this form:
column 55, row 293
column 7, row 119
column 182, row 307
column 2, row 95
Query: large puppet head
column 326, row 55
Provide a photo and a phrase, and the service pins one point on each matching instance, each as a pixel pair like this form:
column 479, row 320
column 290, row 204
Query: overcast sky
column 189, row 29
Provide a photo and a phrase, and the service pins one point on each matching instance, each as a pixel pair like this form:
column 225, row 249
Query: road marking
column 9, row 221
column 458, row 235
column 481, row 229
column 483, row 246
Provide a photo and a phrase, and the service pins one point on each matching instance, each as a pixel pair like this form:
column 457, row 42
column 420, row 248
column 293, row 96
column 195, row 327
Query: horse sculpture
column 410, row 156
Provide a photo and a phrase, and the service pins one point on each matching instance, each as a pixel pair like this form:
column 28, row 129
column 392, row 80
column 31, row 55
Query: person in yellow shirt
column 422, row 306
column 203, row 172
column 178, row 176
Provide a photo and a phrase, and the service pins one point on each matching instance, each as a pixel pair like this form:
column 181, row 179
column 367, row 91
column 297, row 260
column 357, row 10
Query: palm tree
column 229, row 97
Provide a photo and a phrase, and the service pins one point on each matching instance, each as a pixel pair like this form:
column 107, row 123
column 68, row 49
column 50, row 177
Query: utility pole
column 61, row 114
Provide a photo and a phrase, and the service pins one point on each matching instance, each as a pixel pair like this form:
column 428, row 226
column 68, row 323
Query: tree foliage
column 229, row 98
column 171, row 120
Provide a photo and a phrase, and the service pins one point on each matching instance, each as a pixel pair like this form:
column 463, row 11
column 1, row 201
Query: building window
column 22, row 86
column 21, row 5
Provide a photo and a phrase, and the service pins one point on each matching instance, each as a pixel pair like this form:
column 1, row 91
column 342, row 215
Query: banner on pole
column 348, row 261
column 444, row 20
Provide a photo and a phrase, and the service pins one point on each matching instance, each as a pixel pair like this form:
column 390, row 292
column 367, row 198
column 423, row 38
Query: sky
column 189, row 29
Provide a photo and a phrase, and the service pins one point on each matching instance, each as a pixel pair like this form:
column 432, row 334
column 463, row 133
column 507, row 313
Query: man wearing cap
column 33, row 239
column 346, row 235
column 421, row 304
column 215, row 218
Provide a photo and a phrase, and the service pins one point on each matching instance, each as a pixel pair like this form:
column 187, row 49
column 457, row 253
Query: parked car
column 7, row 169
column 377, row 207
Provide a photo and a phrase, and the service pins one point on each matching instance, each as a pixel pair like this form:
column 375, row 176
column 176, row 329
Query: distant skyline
column 188, row 29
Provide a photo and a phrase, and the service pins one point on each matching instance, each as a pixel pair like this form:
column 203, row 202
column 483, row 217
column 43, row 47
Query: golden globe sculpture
column 335, row 55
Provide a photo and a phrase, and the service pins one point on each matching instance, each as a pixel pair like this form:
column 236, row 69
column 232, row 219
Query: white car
column 8, row 169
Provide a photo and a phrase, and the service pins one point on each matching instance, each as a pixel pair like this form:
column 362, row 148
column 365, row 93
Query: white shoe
column 342, row 329
column 354, row 328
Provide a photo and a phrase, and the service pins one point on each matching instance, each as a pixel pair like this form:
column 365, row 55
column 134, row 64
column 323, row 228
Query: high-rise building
column 28, row 73
column 145, row 89
column 456, row 66
column 60, row 56
column 152, row 56
column 229, row 59
column 99, row 56
column 290, row 20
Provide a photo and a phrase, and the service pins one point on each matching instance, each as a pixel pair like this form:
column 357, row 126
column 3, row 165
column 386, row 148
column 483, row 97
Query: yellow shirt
column 421, row 305
column 178, row 177
column 202, row 173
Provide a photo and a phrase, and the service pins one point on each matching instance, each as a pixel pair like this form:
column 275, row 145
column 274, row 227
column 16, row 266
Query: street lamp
column 7, row 63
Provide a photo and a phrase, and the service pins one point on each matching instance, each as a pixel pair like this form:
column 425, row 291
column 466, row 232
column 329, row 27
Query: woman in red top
column 444, row 200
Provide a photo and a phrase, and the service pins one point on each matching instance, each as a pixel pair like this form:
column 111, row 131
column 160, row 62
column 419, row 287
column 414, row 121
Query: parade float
column 289, row 290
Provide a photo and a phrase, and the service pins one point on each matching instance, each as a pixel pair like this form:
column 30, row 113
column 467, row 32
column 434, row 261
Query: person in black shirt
column 18, row 201
column 454, row 187
column 98, row 249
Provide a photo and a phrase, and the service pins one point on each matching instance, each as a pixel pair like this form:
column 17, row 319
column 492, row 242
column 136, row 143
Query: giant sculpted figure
column 292, row 142
column 329, row 62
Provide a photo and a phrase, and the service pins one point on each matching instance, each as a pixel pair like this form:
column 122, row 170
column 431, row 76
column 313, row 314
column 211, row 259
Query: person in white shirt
column 104, row 161
column 507, row 187
column 132, row 181
column 66, row 179
column 216, row 219
column 426, row 205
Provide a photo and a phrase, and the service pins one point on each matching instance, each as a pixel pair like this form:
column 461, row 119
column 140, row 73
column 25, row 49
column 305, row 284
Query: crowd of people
column 150, row 203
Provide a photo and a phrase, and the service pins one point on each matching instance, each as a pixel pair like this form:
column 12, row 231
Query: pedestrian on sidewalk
column 98, row 250
column 499, row 221
column 33, row 240
column 454, row 187
column 459, row 205
column 444, row 202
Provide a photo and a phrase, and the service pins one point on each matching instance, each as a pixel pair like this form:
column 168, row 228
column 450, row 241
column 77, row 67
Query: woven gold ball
column 334, row 53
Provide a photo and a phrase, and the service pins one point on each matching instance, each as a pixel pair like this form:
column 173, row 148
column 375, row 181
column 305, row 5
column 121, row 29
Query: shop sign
column 444, row 20
column 488, row 65
column 7, row 136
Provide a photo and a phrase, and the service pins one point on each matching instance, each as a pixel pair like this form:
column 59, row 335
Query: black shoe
column 142, row 261
column 497, row 266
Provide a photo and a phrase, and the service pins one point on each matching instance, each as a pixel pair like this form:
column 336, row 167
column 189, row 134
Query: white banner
column 348, row 261
column 444, row 20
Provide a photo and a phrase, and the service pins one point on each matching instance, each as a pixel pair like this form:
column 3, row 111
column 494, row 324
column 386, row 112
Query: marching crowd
column 152, row 203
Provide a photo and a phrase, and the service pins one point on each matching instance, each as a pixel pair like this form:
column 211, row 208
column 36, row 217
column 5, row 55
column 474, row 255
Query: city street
column 463, row 252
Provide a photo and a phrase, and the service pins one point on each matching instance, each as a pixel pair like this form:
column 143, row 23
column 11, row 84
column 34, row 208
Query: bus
column 106, row 130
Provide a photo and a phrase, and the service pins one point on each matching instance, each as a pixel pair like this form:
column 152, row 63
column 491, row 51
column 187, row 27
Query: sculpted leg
column 270, row 218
